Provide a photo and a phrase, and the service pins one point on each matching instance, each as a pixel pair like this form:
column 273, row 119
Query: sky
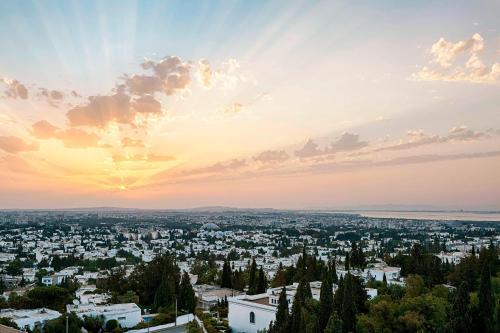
column 283, row 104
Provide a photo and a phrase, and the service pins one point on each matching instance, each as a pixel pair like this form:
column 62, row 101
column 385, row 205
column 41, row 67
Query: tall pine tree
column 282, row 315
column 187, row 298
column 226, row 275
column 460, row 317
column 325, row 303
column 252, row 280
column 261, row 282
column 486, row 301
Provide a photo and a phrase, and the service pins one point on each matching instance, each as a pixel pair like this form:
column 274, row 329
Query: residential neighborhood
column 100, row 269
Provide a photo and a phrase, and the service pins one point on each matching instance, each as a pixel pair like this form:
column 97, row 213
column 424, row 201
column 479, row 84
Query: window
column 252, row 318
column 122, row 318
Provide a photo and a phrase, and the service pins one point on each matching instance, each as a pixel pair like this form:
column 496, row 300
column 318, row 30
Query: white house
column 30, row 318
column 53, row 280
column 377, row 273
column 251, row 313
column 127, row 314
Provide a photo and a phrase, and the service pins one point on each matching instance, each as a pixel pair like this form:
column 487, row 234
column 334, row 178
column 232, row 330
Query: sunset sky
column 284, row 104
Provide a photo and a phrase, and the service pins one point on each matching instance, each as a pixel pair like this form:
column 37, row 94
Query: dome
column 210, row 226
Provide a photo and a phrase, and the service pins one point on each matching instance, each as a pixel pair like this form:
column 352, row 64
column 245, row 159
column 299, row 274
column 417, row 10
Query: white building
column 53, row 280
column 377, row 273
column 127, row 314
column 30, row 318
column 251, row 313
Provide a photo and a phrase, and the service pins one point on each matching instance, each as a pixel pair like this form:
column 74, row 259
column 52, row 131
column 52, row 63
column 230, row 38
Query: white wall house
column 377, row 273
column 127, row 314
column 250, row 313
column 30, row 318
column 53, row 280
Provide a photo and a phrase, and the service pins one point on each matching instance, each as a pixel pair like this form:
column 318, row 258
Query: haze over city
column 316, row 104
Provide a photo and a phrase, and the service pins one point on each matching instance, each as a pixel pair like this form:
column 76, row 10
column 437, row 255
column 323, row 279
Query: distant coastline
column 432, row 215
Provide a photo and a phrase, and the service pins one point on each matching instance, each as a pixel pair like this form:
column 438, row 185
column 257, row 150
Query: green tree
column 486, row 301
column 252, row 280
column 334, row 324
column 348, row 313
column 165, row 294
column 296, row 323
column 226, row 275
column 93, row 324
column 261, row 282
column 8, row 322
column 112, row 325
column 282, row 315
column 14, row 268
column 460, row 318
column 187, row 298
column 332, row 271
column 59, row 325
column 325, row 303
column 279, row 279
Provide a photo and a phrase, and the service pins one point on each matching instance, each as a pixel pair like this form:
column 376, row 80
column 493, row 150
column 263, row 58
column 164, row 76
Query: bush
column 111, row 325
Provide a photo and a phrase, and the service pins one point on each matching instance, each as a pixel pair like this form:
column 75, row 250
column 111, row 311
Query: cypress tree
column 261, row 282
column 304, row 290
column 354, row 255
column 486, row 303
column 296, row 324
column 333, row 271
column 282, row 315
column 348, row 313
column 252, row 278
column 334, row 324
column 460, row 319
column 226, row 275
column 347, row 261
column 339, row 296
column 325, row 303
column 279, row 279
column 165, row 294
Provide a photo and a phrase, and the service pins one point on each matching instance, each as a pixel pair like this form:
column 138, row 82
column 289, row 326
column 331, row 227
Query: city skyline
column 249, row 104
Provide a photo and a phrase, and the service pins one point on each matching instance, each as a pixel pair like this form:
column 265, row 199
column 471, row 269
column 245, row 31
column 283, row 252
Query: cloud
column 147, row 105
column 462, row 133
column 309, row 149
column 119, row 108
column 415, row 159
column 51, row 94
column 218, row 167
column 173, row 73
column 271, row 156
column 129, row 142
column 143, row 84
column 205, row 73
column 417, row 138
column 233, row 108
column 15, row 89
column 142, row 158
column 71, row 138
column 446, row 52
column 76, row 138
column 14, row 145
column 445, row 55
column 347, row 141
